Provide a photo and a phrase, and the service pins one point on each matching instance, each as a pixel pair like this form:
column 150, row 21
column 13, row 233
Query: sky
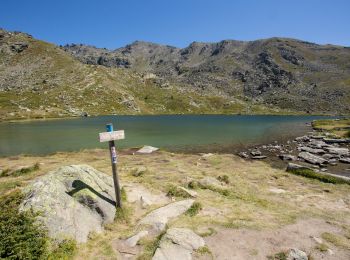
column 113, row 23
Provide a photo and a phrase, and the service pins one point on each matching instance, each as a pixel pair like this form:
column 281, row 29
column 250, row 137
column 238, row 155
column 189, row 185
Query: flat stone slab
column 147, row 149
column 74, row 201
column 178, row 243
column 338, row 151
column 312, row 150
column 311, row 158
column 158, row 218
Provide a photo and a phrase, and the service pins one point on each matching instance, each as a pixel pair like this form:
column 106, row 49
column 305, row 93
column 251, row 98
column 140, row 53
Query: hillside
column 38, row 79
column 274, row 76
column 282, row 72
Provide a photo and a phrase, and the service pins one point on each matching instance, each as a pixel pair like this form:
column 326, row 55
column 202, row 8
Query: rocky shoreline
column 316, row 150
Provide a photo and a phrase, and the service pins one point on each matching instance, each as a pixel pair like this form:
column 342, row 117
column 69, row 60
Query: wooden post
column 110, row 136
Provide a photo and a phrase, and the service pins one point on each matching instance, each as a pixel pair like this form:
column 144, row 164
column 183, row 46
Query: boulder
column 344, row 160
column 72, row 201
column 132, row 241
column 312, row 150
column 294, row 166
column 259, row 157
column 311, row 158
column 302, row 139
column 296, row 254
column 178, row 243
column 190, row 193
column 287, row 157
column 255, row 153
column 147, row 149
column 243, row 155
column 210, row 181
column 336, row 141
column 158, row 218
column 338, row 151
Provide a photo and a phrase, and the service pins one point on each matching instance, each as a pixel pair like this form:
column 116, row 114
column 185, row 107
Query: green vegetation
column 338, row 127
column 204, row 250
column 123, row 214
column 194, row 209
column 224, row 178
column 150, row 246
column 175, row 191
column 322, row 247
column 22, row 237
column 278, row 256
column 308, row 173
column 337, row 240
column 19, row 172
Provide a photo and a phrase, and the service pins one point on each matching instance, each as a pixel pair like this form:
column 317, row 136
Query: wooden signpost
column 110, row 136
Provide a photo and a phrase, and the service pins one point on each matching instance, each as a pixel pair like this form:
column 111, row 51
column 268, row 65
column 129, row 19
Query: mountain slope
column 281, row 72
column 38, row 79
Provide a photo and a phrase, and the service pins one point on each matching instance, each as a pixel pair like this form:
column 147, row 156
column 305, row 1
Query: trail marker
column 110, row 136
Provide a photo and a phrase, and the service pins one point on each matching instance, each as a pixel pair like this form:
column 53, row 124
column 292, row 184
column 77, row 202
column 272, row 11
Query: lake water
column 172, row 132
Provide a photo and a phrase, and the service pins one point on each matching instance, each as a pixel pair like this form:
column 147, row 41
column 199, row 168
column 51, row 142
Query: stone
column 287, row 157
column 73, row 200
column 311, row 158
column 312, row 150
column 84, row 114
column 191, row 193
column 158, row 218
column 147, row 149
column 138, row 194
column 277, row 190
column 294, row 166
column 210, row 181
column 336, row 141
column 329, row 156
column 338, row 151
column 178, row 243
column 243, row 155
column 132, row 241
column 296, row 254
column 344, row 160
column 259, row 157
column 255, row 153
column 302, row 139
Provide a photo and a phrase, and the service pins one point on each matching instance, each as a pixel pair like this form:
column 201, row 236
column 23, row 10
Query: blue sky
column 113, row 23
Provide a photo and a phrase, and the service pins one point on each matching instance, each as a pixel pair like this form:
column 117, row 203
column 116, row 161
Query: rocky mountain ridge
column 284, row 72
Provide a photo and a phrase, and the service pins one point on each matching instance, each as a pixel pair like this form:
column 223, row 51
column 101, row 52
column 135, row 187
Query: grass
column 340, row 128
column 278, row 256
column 19, row 172
column 123, row 214
column 174, row 191
column 150, row 246
column 194, row 209
column 337, row 240
column 308, row 173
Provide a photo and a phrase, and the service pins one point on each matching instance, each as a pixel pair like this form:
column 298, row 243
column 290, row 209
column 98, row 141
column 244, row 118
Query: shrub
column 224, row 178
column 174, row 191
column 20, row 236
column 319, row 176
column 194, row 209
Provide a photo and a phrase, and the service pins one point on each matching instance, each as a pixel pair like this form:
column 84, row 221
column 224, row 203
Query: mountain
column 275, row 76
column 282, row 72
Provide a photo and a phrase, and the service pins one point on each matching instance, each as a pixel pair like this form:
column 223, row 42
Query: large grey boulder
column 338, row 151
column 158, row 218
column 296, row 254
column 72, row 200
column 311, row 158
column 178, row 243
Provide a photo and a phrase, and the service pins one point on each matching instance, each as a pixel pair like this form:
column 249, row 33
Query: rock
column 287, row 157
column 206, row 155
column 84, row 114
column 312, row 150
column 138, row 194
column 19, row 46
column 338, row 151
column 147, row 149
column 277, row 191
column 336, row 141
column 158, row 218
column 255, row 153
column 294, row 166
column 302, row 139
column 243, row 155
column 210, row 181
column 311, row 158
column 259, row 157
column 139, row 171
column 317, row 240
column 329, row 156
column 296, row 254
column 145, row 202
column 74, row 201
column 317, row 137
column 132, row 241
column 191, row 193
column 344, row 160
column 178, row 243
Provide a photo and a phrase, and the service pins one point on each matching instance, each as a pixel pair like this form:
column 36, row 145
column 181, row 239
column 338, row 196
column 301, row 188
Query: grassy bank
column 252, row 195
column 337, row 127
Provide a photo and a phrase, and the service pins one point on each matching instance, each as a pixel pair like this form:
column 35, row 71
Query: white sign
column 110, row 136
